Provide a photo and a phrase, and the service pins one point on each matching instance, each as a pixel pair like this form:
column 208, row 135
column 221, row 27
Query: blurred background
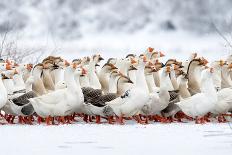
column 75, row 28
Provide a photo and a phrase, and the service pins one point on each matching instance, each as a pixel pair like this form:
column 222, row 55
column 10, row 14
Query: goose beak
column 29, row 67
column 230, row 66
column 168, row 69
column 129, row 81
column 161, row 54
column 211, row 70
column 15, row 71
column 8, row 67
column 150, row 49
column 84, row 71
column 66, row 63
column 144, row 58
column 74, row 65
column 101, row 58
column 133, row 61
column 133, row 67
column 221, row 63
column 113, row 67
column 205, row 61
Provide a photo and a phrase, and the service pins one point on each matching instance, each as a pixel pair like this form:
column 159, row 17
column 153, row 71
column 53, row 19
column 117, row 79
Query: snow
column 81, row 138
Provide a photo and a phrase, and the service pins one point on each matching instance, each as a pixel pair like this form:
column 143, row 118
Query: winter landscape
column 32, row 30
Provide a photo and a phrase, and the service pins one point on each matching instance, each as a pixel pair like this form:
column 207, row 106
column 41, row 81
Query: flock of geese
column 139, row 88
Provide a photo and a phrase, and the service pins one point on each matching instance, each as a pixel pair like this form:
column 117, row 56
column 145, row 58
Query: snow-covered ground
column 80, row 138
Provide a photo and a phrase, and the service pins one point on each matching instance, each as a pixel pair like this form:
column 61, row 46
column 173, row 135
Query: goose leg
column 48, row 120
column 120, row 120
column 20, row 119
column 39, row 119
column 85, row 118
column 98, row 119
column 110, row 119
column 221, row 119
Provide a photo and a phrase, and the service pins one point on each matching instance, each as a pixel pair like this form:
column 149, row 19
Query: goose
column 113, row 81
column 17, row 103
column 61, row 102
column 193, row 73
column 97, row 106
column 149, row 69
column 26, row 71
column 159, row 101
column 186, row 63
column 183, row 93
column 38, row 86
column 46, row 75
column 217, row 75
column 132, row 69
column 156, row 75
column 135, row 98
column 3, row 92
column 208, row 97
column 226, row 81
column 104, row 76
column 93, row 78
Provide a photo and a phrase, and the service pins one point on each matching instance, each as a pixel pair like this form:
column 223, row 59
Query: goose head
column 49, row 64
column 112, row 61
column 158, row 65
column 77, row 61
column 97, row 58
column 108, row 67
column 85, row 61
column 149, row 68
column 155, row 55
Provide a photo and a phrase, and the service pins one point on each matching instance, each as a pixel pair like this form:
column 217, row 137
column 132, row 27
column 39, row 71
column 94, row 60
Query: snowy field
column 80, row 138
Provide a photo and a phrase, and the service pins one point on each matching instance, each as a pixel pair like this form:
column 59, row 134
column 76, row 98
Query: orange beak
column 144, row 58
column 74, row 65
column 205, row 61
column 150, row 49
column 230, row 66
column 168, row 69
column 161, row 54
column 221, row 62
column 84, row 71
column 29, row 67
column 8, row 67
column 66, row 63
column 133, row 61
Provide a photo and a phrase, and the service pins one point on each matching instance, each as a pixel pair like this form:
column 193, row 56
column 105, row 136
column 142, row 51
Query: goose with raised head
column 104, row 76
column 38, row 86
column 156, row 75
column 149, row 69
column 46, row 76
column 159, row 101
column 208, row 97
column 93, row 78
column 194, row 75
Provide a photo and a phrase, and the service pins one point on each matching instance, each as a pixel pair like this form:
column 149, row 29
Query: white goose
column 134, row 99
column 61, row 102
column 208, row 97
